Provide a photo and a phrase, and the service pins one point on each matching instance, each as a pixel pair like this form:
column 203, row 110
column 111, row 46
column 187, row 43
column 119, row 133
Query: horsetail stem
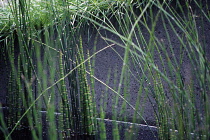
column 64, row 97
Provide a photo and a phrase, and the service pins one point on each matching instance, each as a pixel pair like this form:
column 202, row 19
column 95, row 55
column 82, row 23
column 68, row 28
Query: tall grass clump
column 179, row 90
column 165, row 55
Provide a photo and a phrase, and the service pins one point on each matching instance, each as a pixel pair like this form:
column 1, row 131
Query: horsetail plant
column 65, row 112
column 86, row 101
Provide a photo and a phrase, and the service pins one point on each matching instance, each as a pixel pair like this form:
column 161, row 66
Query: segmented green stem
column 64, row 97
column 85, row 95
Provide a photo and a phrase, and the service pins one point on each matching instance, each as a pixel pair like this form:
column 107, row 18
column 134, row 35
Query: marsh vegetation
column 53, row 76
